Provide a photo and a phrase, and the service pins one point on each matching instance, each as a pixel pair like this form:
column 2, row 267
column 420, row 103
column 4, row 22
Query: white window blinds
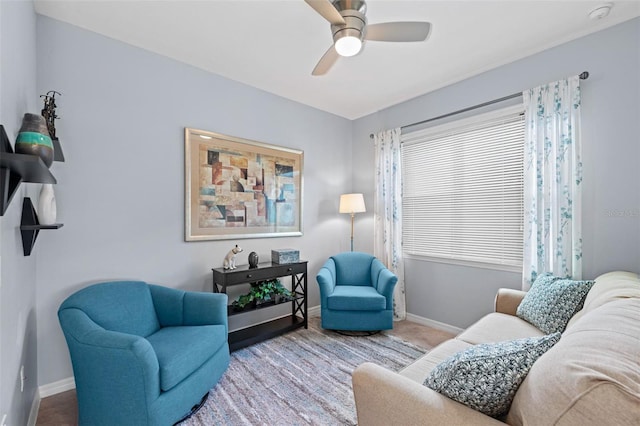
column 463, row 190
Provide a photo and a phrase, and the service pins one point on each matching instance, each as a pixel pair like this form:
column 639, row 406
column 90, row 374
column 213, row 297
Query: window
column 462, row 196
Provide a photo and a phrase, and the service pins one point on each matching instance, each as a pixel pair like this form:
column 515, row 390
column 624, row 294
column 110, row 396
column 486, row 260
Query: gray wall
column 459, row 295
column 18, row 277
column 120, row 193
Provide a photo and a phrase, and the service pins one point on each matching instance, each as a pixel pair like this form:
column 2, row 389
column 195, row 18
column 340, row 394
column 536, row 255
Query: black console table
column 223, row 278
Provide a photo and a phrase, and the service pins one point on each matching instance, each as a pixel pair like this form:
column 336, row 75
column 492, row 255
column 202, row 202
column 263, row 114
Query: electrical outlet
column 22, row 379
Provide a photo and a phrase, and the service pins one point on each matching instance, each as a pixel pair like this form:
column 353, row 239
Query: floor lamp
column 352, row 203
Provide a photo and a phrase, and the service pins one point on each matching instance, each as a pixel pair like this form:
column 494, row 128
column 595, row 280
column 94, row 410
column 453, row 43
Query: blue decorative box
column 285, row 256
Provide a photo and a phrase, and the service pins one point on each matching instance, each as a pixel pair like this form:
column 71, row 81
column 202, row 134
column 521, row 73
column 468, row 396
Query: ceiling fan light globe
column 348, row 46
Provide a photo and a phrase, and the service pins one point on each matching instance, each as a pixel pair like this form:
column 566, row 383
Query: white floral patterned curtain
column 552, row 181
column 388, row 213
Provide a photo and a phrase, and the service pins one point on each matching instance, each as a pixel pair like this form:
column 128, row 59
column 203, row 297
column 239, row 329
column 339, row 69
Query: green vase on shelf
column 33, row 138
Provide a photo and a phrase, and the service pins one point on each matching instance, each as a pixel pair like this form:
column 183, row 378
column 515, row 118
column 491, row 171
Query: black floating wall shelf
column 30, row 226
column 18, row 168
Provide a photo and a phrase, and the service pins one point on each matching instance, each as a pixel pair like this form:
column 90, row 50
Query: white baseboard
column 313, row 311
column 57, row 387
column 35, row 407
column 433, row 323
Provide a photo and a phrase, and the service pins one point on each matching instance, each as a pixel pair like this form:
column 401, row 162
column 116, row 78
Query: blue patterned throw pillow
column 486, row 377
column 552, row 301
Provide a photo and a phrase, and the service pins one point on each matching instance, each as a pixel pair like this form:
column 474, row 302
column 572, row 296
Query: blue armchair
column 356, row 293
column 143, row 354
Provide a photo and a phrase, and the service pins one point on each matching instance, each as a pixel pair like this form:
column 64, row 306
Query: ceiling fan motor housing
column 353, row 12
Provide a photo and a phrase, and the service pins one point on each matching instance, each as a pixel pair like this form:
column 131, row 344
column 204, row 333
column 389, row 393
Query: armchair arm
column 103, row 359
column 507, row 300
column 385, row 285
column 326, row 279
column 205, row 309
column 386, row 398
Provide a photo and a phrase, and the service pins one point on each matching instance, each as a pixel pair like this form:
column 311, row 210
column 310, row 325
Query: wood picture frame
column 238, row 188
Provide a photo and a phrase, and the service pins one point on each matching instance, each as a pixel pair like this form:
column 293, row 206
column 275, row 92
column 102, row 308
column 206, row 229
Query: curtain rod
column 583, row 76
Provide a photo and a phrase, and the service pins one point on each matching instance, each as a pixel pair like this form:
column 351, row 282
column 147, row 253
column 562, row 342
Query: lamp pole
column 352, row 216
column 352, row 204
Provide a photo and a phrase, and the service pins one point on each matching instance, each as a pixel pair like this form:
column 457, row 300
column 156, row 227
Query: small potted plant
column 244, row 302
column 281, row 293
column 261, row 293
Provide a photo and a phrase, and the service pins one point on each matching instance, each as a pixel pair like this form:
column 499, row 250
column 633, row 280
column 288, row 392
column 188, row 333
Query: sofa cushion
column 175, row 362
column 608, row 287
column 590, row 377
column 420, row 368
column 356, row 298
column 486, row 377
column 497, row 327
column 552, row 301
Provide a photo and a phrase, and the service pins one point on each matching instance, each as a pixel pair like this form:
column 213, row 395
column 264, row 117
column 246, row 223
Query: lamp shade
column 352, row 203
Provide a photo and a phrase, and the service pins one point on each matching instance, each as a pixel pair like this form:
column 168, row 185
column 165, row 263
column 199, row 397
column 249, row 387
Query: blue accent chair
column 143, row 354
column 356, row 293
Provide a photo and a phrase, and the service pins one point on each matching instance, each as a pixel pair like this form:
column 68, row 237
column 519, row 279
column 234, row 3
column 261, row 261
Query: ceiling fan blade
column 398, row 31
column 328, row 12
column 326, row 62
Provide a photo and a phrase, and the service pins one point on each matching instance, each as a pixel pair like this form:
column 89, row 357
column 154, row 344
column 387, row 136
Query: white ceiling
column 274, row 45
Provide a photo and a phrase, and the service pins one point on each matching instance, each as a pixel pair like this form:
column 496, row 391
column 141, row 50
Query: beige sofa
column 590, row 377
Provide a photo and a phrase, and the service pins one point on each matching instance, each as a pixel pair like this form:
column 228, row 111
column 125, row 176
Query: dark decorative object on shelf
column 253, row 260
column 49, row 114
column 49, row 111
column 34, row 139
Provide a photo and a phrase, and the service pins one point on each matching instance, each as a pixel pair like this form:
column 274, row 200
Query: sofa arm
column 386, row 398
column 507, row 300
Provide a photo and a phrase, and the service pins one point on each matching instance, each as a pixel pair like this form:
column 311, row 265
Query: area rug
column 300, row 378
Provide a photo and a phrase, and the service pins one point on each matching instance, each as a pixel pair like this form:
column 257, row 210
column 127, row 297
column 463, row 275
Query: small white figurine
column 230, row 258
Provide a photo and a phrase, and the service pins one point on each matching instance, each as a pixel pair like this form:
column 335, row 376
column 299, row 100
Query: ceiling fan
column 350, row 29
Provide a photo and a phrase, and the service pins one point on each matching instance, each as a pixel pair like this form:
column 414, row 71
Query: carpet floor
column 300, row 378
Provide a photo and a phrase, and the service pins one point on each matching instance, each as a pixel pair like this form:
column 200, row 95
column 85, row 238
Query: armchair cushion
column 356, row 298
column 353, row 268
column 117, row 307
column 178, row 307
column 176, row 363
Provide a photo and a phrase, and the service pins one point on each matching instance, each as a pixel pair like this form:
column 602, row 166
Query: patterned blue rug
column 300, row 378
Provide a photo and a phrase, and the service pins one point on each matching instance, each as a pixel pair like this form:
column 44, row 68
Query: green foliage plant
column 262, row 292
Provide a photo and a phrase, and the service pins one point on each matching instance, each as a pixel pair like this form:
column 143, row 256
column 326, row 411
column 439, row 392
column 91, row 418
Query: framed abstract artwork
column 237, row 188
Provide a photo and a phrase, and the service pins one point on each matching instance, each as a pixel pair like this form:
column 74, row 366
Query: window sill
column 467, row 263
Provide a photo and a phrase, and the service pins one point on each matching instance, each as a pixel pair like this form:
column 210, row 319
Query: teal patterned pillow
column 552, row 301
column 486, row 377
